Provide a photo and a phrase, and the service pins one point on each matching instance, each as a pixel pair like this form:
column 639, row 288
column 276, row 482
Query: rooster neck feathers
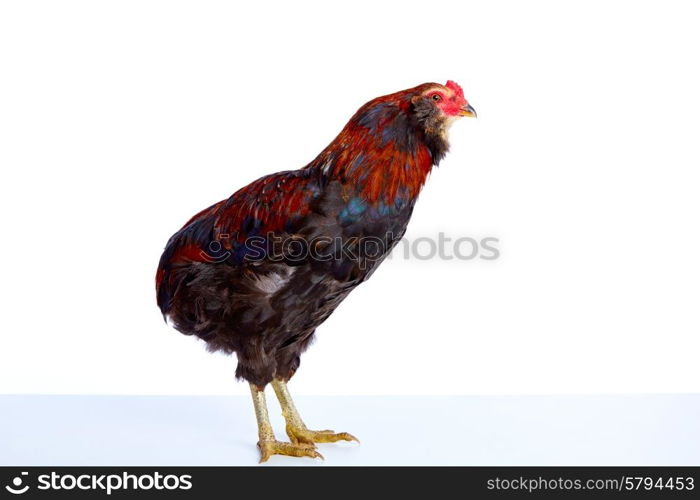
column 387, row 149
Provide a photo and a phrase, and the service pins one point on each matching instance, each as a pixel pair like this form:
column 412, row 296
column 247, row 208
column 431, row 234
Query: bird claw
column 306, row 436
column 273, row 447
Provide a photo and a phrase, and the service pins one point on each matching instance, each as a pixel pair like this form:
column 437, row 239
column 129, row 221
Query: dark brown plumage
column 258, row 273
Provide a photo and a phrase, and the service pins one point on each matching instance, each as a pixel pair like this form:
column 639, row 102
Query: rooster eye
column 436, row 97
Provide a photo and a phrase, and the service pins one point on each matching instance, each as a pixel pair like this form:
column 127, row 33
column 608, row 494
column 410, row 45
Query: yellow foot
column 269, row 448
column 302, row 435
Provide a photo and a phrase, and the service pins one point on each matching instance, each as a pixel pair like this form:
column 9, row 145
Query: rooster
column 256, row 274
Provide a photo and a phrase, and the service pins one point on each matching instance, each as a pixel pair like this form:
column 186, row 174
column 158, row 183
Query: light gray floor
column 463, row 430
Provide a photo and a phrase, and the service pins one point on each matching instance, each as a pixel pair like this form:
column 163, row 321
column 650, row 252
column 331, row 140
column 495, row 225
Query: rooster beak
column 468, row 111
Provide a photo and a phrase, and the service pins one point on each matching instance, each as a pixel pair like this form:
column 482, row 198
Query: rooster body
column 256, row 274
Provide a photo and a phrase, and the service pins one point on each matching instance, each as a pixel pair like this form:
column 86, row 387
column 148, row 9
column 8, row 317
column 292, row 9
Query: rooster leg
column 296, row 429
column 267, row 443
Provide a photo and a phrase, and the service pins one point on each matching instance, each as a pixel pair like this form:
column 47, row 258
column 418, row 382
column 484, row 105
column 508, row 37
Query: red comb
column 455, row 87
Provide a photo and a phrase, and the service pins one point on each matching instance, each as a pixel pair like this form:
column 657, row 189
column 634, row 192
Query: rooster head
column 436, row 106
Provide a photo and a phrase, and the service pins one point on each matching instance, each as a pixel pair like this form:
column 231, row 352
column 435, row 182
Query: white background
column 631, row 429
column 120, row 120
